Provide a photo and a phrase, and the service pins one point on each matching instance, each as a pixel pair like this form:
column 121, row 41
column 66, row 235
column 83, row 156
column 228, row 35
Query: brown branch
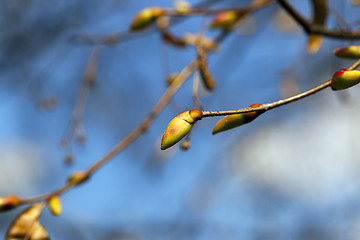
column 268, row 106
column 311, row 28
column 76, row 124
column 255, row 5
column 166, row 97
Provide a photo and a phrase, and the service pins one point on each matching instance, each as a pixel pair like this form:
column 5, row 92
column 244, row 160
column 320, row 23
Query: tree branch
column 311, row 28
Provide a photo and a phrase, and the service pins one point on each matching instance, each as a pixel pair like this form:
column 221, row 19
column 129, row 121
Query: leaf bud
column 224, row 20
column 55, row 205
column 236, row 120
column 146, row 17
column 344, row 79
column 78, row 177
column 351, row 52
column 179, row 127
column 9, row 202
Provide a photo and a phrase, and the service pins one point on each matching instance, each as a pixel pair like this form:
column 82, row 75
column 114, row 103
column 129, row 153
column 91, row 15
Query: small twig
column 163, row 101
column 76, row 125
column 268, row 106
column 195, row 92
column 310, row 28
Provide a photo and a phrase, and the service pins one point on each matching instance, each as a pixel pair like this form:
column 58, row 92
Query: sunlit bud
column 224, row 20
column 182, row 6
column 55, row 206
column 344, row 79
column 351, row 52
column 146, row 17
column 185, row 145
column 78, row 177
column 179, row 127
column 314, row 43
column 236, row 120
column 9, row 202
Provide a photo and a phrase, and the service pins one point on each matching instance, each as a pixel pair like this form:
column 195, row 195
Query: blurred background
column 293, row 173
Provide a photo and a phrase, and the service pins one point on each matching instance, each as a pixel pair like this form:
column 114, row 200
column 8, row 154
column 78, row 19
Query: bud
column 179, row 127
column 145, row 18
column 314, row 43
column 55, row 206
column 351, row 52
column 344, row 79
column 182, row 6
column 78, row 177
column 9, row 202
column 224, row 20
column 236, row 120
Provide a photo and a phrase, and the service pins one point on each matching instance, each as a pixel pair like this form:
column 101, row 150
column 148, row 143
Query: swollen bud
column 224, row 20
column 179, row 127
column 55, row 205
column 351, row 52
column 78, row 177
column 344, row 79
column 9, row 202
column 236, row 120
column 146, row 17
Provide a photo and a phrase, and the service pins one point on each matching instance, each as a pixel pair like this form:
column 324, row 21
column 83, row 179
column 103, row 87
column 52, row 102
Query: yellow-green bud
column 224, row 20
column 146, row 17
column 344, row 79
column 78, row 177
column 351, row 52
column 55, row 205
column 179, row 127
column 236, row 120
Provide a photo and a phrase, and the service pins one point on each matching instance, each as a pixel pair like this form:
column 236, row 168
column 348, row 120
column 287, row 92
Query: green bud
column 344, row 79
column 78, row 177
column 236, row 120
column 224, row 20
column 351, row 52
column 179, row 127
column 145, row 18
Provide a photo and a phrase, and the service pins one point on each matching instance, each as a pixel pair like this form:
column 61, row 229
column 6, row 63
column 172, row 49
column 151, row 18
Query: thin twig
column 166, row 97
column 311, row 28
column 268, row 106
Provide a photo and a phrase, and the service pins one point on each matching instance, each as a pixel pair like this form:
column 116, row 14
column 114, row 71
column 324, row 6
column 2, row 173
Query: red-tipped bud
column 344, row 79
column 78, row 177
column 55, row 205
column 179, row 127
column 224, row 20
column 146, row 17
column 351, row 52
column 9, row 202
column 236, row 120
